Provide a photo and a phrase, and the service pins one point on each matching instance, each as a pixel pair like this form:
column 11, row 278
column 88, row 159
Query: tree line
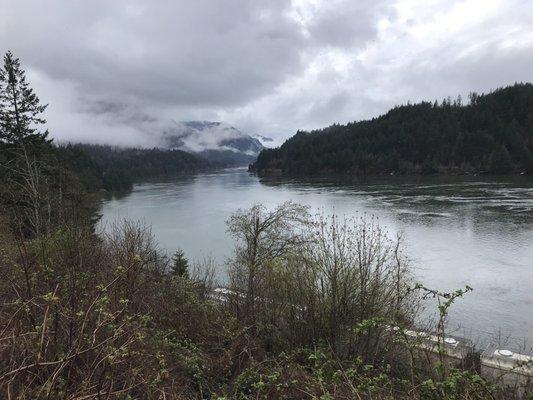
column 115, row 169
column 492, row 133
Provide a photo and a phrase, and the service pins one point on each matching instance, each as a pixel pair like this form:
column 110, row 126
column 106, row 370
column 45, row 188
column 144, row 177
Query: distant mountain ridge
column 493, row 133
column 220, row 143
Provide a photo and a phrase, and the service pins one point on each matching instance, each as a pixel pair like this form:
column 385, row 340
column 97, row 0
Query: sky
column 119, row 71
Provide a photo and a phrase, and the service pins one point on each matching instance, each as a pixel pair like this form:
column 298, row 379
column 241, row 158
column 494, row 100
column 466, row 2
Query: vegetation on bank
column 88, row 316
column 116, row 169
column 492, row 133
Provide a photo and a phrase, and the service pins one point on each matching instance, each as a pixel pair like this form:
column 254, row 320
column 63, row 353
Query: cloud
column 116, row 71
column 346, row 24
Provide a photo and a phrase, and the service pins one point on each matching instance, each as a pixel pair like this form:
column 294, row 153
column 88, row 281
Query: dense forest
column 116, row 169
column 315, row 308
column 493, row 133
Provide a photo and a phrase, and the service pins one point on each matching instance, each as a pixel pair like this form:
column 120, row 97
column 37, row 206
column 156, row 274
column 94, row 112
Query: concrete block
column 508, row 367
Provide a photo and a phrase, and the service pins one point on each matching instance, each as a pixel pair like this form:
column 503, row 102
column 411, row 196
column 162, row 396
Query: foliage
column 83, row 317
column 116, row 169
column 304, row 280
column 493, row 133
column 319, row 374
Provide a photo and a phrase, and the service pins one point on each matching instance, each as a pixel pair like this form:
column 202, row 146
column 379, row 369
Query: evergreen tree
column 180, row 264
column 527, row 162
column 429, row 166
column 500, row 161
column 20, row 109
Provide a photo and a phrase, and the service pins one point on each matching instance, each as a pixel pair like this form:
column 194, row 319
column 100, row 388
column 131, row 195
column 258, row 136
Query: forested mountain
column 116, row 169
column 492, row 133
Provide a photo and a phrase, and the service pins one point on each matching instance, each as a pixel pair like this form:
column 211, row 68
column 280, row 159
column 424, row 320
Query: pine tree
column 429, row 166
column 180, row 264
column 25, row 153
column 20, row 109
column 500, row 161
column 527, row 162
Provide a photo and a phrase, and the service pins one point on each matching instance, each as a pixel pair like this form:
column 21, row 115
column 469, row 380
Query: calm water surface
column 457, row 231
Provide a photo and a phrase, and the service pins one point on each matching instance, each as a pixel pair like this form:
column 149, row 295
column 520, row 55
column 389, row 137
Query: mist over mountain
column 266, row 141
column 218, row 142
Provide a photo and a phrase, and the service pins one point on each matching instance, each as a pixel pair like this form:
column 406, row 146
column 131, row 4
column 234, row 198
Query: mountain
column 220, row 143
column 493, row 133
column 265, row 141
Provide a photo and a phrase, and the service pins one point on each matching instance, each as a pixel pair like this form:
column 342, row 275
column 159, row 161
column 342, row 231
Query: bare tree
column 360, row 275
column 262, row 237
column 305, row 279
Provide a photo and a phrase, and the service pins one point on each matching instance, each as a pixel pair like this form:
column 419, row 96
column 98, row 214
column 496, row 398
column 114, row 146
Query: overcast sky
column 112, row 71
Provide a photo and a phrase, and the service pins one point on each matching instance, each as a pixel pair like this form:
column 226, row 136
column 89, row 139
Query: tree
column 500, row 161
column 20, row 108
column 429, row 166
column 180, row 264
column 24, row 168
column 527, row 162
column 263, row 236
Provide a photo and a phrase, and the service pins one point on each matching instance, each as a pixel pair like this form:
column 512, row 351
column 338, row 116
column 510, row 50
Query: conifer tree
column 500, row 161
column 25, row 169
column 20, row 108
column 180, row 264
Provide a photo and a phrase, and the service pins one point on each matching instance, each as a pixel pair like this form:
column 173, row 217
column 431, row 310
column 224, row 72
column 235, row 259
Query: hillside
column 116, row 169
column 493, row 133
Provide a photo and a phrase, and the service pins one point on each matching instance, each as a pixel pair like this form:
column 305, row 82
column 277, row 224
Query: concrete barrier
column 455, row 349
column 512, row 369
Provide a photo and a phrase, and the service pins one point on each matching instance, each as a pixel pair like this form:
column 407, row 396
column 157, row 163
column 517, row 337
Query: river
column 457, row 231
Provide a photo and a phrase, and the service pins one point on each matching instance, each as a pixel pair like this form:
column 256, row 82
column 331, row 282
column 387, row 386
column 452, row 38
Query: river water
column 457, row 231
